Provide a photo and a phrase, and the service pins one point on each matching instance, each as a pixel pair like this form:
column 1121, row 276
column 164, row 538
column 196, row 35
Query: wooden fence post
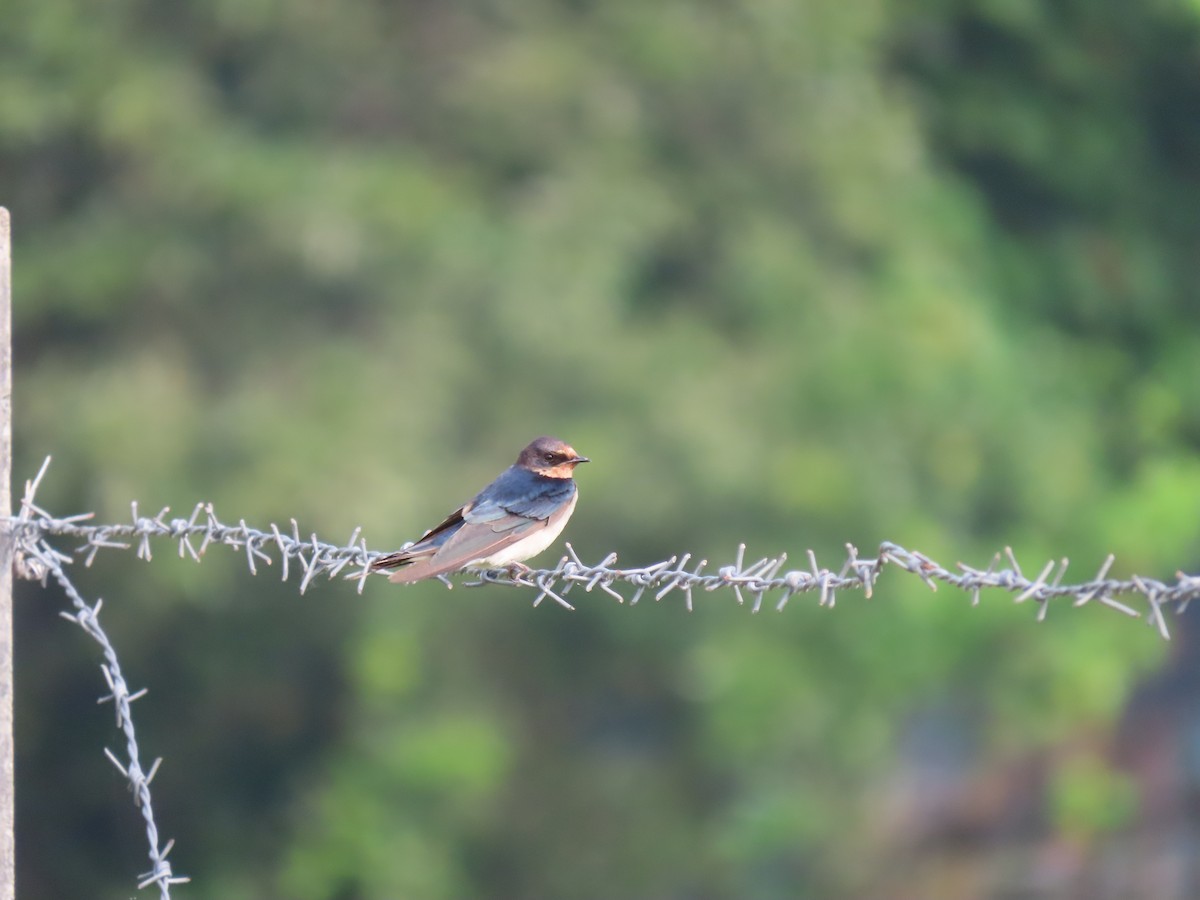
column 8, row 875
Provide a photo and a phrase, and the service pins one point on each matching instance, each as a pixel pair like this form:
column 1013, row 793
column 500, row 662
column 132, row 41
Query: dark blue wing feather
column 522, row 493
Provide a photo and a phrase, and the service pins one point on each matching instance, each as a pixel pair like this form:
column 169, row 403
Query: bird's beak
column 579, row 459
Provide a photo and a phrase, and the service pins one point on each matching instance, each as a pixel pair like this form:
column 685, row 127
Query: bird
column 514, row 518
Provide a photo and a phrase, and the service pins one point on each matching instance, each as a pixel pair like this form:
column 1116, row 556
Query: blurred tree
column 792, row 274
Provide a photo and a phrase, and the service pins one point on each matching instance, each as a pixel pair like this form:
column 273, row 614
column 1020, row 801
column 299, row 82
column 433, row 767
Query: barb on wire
column 37, row 559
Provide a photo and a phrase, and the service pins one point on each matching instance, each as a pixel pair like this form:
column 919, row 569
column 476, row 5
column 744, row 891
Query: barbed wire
column 37, row 559
column 764, row 576
column 34, row 558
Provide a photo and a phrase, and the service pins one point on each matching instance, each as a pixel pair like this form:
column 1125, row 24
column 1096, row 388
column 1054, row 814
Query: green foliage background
column 791, row 273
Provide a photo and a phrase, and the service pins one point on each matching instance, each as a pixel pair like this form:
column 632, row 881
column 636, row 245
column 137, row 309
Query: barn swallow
column 515, row 517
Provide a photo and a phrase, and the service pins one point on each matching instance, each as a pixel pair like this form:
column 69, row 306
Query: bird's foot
column 516, row 571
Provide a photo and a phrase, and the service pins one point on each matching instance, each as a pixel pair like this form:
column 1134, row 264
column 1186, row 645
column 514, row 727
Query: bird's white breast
column 535, row 542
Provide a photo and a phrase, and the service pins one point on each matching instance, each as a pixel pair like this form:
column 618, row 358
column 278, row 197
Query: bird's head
column 550, row 457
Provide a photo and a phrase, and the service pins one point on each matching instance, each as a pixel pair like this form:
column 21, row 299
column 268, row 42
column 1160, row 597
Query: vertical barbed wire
column 36, row 558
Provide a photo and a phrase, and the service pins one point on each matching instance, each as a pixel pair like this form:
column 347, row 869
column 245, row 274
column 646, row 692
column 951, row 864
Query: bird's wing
column 439, row 532
column 471, row 542
column 427, row 545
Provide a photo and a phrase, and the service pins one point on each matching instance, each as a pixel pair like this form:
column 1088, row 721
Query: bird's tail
column 392, row 561
column 409, row 565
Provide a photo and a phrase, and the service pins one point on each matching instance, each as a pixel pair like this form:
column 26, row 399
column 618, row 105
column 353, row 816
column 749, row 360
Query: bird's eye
column 549, row 457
